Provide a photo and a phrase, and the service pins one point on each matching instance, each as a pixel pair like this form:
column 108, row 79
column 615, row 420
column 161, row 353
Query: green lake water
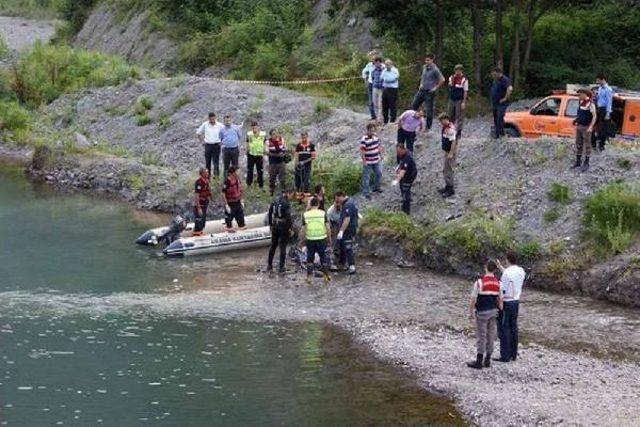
column 105, row 366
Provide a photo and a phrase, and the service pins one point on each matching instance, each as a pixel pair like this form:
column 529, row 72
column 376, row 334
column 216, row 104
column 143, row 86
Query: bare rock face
column 130, row 38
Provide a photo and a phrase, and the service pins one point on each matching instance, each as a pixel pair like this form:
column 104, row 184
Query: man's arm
column 270, row 214
column 507, row 95
column 609, row 103
column 345, row 224
column 200, row 134
column 401, row 174
column 440, row 81
column 594, row 117
column 327, row 226
column 466, row 93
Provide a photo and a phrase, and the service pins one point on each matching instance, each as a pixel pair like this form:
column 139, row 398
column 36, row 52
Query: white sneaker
column 352, row 269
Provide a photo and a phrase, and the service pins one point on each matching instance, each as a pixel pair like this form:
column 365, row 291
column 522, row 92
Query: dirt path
column 21, row 33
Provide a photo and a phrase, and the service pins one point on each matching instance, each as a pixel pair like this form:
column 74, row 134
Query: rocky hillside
column 137, row 141
column 131, row 36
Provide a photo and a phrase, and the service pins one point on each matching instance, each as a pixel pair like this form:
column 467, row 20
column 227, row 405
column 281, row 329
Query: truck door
column 546, row 114
column 566, row 126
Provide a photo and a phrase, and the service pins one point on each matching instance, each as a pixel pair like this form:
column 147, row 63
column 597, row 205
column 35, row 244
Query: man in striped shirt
column 371, row 152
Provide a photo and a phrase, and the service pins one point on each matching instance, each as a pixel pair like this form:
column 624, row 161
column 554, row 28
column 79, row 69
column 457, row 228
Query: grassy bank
column 32, row 9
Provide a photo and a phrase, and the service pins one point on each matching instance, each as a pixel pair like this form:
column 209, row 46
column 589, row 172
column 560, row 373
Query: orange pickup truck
column 554, row 115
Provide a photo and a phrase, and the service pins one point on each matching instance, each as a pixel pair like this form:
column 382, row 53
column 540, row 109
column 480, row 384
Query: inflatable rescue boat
column 220, row 242
column 154, row 236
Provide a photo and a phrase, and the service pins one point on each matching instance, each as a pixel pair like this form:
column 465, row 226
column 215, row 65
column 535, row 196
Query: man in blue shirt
column 230, row 137
column 366, row 76
column 500, row 93
column 390, row 84
column 376, row 81
column 348, row 229
column 604, row 108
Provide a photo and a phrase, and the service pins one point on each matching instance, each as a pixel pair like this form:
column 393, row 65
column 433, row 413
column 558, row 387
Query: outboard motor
column 177, row 226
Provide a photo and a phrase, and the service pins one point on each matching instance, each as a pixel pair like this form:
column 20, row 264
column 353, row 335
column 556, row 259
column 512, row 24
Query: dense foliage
column 46, row 72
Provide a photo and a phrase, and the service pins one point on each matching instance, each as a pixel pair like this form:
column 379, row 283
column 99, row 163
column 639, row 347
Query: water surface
column 87, row 360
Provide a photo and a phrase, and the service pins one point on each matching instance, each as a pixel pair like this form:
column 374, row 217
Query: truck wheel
column 512, row 132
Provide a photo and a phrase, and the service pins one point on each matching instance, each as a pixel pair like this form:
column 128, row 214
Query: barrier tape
column 287, row 82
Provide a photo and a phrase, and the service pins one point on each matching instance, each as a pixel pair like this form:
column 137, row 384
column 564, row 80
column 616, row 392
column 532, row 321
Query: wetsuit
column 349, row 210
column 280, row 222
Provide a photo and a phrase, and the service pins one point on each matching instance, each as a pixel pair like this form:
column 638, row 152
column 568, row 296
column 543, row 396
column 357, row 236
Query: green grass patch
column 530, row 252
column 552, row 214
column 164, row 122
column 143, row 104
column 613, row 216
column 322, row 110
column 182, row 100
column 32, row 9
column 623, row 163
column 4, row 48
column 143, row 120
column 115, row 111
column 13, row 117
column 338, row 174
column 135, row 182
column 471, row 238
column 559, row 193
column 150, row 158
column 45, row 72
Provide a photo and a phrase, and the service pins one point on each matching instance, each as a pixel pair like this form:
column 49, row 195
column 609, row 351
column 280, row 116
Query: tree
column 499, row 55
column 514, row 67
column 476, row 18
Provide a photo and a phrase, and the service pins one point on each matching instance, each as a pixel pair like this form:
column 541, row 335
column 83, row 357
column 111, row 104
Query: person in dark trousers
column 304, row 156
column 449, row 147
column 317, row 234
column 230, row 137
column 409, row 124
column 371, row 153
column 585, row 121
column 366, row 76
column 208, row 135
column 500, row 92
column 276, row 150
column 255, row 154
column 512, row 280
column 406, row 174
column 458, row 95
column 430, row 82
column 281, row 224
column 349, row 218
column 232, row 199
column 486, row 300
column 604, row 104
column 390, row 85
column 201, row 201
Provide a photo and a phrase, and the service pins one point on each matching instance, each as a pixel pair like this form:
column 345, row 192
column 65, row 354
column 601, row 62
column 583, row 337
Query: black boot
column 487, row 360
column 585, row 165
column 578, row 162
column 477, row 364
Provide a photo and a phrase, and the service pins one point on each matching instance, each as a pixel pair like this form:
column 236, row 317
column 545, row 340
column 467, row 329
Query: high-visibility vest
column 315, row 225
column 256, row 143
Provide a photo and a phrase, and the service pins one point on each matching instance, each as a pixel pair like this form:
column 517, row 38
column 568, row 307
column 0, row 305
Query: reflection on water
column 105, row 344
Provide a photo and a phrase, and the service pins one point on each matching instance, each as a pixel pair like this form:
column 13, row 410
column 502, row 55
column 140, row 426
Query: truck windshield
column 548, row 107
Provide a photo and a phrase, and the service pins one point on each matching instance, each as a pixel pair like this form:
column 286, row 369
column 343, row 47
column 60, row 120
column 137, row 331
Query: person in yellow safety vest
column 255, row 154
column 317, row 234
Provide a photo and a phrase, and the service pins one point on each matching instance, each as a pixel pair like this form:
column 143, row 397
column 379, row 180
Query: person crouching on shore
column 486, row 299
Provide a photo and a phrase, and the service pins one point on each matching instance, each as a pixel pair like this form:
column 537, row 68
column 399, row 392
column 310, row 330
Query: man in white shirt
column 366, row 77
column 512, row 280
column 208, row 134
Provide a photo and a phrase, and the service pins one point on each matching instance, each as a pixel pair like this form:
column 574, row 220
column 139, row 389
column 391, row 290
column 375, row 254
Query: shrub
column 143, row 104
column 164, row 122
column 393, row 225
column 13, row 117
column 4, row 49
column 143, row 120
column 182, row 100
column 322, row 111
column 551, row 215
column 476, row 236
column 559, row 193
column 151, row 159
column 135, row 182
column 613, row 215
column 529, row 252
column 624, row 163
column 338, row 174
column 45, row 72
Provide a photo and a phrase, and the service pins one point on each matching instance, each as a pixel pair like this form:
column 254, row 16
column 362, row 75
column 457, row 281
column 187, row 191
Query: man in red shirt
column 201, row 201
column 232, row 199
column 304, row 156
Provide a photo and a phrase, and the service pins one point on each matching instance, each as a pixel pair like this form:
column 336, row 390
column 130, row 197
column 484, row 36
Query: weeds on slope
column 613, row 217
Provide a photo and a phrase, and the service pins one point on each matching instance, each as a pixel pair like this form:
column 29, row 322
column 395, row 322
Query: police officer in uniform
column 406, row 174
column 317, row 234
column 347, row 232
column 281, row 225
column 201, row 201
column 486, row 299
